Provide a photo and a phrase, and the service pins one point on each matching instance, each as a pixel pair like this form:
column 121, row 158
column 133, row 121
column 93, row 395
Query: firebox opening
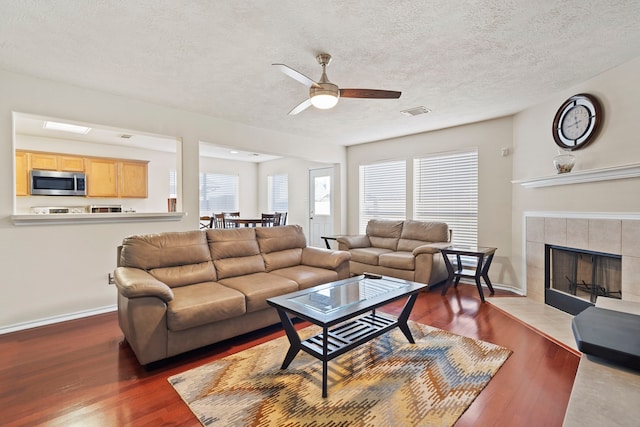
column 575, row 278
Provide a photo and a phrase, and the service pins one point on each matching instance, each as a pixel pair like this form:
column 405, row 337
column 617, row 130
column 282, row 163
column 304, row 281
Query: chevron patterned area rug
column 386, row 382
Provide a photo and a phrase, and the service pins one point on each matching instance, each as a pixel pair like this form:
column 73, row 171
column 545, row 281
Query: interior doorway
column 321, row 205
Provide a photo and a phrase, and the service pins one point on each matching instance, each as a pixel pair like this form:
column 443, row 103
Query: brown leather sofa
column 406, row 249
column 178, row 291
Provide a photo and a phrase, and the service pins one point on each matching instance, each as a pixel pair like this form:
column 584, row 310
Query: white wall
column 51, row 272
column 494, row 191
column 617, row 144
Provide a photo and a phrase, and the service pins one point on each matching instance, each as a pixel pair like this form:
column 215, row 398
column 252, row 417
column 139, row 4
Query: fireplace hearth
column 575, row 278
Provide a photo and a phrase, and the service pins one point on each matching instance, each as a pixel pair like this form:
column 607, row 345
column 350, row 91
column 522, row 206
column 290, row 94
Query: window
column 218, row 193
column 446, row 189
column 278, row 193
column 173, row 183
column 382, row 192
column 322, row 195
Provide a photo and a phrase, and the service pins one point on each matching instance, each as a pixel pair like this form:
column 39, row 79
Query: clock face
column 577, row 121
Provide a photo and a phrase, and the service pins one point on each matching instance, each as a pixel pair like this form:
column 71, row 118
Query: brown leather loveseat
column 406, row 249
column 178, row 291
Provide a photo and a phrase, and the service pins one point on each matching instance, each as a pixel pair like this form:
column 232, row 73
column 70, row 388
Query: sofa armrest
column 324, row 258
column 430, row 248
column 136, row 283
column 352, row 242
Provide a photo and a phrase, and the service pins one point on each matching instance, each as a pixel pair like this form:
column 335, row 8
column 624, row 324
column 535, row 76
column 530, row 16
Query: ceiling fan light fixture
column 324, row 96
column 324, row 101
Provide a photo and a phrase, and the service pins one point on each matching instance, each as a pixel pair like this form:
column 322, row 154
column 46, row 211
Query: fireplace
column 575, row 278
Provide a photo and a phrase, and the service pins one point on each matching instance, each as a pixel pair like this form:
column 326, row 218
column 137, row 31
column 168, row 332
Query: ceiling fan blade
column 296, row 75
column 369, row 93
column 300, row 107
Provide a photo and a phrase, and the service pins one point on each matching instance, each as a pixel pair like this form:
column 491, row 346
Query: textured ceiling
column 465, row 60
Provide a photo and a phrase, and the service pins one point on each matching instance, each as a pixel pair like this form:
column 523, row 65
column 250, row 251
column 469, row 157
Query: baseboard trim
column 56, row 319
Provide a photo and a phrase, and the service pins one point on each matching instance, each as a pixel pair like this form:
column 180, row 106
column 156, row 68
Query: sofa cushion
column 307, row 276
column 232, row 242
column 232, row 267
column 203, row 303
column 235, row 252
column 274, row 239
column 368, row 255
column 175, row 258
column 258, row 287
column 417, row 233
column 165, row 250
column 182, row 275
column 384, row 233
column 400, row 260
column 282, row 259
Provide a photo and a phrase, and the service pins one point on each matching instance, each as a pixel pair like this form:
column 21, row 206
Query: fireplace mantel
column 603, row 174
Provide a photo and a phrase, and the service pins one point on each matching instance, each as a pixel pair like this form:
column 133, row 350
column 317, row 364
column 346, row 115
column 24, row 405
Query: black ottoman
column 609, row 334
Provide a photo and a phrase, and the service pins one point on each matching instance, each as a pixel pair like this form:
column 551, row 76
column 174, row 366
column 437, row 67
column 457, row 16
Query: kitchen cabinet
column 102, row 177
column 71, row 164
column 22, row 173
column 106, row 177
column 57, row 162
column 44, row 161
column 132, row 179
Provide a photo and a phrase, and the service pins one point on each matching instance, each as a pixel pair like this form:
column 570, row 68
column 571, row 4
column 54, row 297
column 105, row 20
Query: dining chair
column 276, row 219
column 205, row 222
column 228, row 219
column 217, row 221
column 268, row 220
column 280, row 218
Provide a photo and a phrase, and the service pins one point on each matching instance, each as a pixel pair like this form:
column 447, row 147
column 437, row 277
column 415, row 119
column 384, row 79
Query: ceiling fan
column 323, row 94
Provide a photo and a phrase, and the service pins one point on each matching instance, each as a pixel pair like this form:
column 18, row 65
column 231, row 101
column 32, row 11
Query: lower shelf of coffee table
column 349, row 335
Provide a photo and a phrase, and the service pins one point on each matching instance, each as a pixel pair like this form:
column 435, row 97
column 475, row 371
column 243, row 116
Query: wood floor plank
column 82, row 372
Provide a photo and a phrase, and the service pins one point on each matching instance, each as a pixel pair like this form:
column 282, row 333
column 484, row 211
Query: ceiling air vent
column 415, row 111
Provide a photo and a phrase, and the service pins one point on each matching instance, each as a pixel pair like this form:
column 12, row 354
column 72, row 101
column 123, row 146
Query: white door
column 320, row 205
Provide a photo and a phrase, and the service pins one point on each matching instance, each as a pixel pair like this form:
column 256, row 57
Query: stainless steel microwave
column 54, row 183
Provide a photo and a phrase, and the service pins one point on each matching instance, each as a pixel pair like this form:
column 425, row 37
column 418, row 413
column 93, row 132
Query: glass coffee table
column 346, row 311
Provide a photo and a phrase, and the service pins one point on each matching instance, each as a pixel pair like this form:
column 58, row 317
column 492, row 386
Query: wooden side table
column 483, row 255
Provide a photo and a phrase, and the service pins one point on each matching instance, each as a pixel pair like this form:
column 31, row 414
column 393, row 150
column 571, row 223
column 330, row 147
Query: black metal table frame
column 350, row 330
column 481, row 270
column 326, row 240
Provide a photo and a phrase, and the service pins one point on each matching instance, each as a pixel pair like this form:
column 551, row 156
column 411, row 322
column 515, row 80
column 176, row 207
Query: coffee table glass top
column 334, row 298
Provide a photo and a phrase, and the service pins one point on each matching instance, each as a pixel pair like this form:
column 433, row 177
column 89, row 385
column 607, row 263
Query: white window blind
column 446, row 189
column 173, row 183
column 218, row 193
column 382, row 192
column 278, row 193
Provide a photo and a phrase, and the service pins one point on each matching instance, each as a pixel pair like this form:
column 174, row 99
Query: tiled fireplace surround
column 601, row 233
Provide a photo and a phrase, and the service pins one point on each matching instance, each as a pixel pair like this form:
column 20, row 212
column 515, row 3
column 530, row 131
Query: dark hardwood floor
column 83, row 373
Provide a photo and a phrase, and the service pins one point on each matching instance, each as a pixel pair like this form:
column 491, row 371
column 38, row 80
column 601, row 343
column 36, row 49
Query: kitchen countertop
column 84, row 218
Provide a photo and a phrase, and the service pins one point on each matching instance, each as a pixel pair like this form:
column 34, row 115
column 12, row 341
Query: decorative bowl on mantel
column 564, row 163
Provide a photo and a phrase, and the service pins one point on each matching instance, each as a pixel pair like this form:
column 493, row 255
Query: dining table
column 245, row 222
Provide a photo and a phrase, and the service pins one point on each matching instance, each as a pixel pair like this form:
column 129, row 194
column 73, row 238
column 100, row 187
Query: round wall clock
column 577, row 121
